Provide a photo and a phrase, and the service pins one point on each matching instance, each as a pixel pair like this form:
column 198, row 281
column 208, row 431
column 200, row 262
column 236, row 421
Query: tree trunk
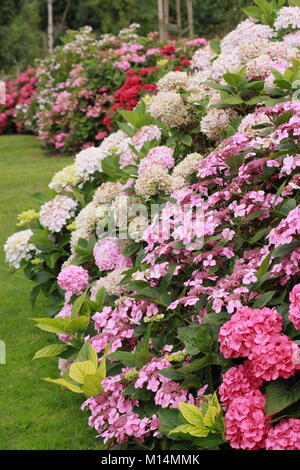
column 50, row 26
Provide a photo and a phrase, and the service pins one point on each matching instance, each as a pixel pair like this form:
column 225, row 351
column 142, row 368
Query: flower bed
column 172, row 264
column 18, row 97
column 86, row 80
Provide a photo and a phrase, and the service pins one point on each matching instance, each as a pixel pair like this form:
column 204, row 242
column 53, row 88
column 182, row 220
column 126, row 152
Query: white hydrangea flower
column 247, row 31
column 188, row 165
column 216, row 121
column 170, row 108
column 137, row 227
column 87, row 162
column 64, row 179
column 18, row 248
column 288, row 17
column 110, row 282
column 55, row 213
column 172, row 81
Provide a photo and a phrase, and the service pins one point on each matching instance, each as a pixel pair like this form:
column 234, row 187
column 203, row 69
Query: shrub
column 194, row 315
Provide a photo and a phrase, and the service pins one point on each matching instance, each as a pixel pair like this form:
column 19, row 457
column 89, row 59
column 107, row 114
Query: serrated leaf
column 192, row 430
column 50, row 351
column 87, row 353
column 64, row 383
column 79, row 370
column 191, row 413
column 92, row 385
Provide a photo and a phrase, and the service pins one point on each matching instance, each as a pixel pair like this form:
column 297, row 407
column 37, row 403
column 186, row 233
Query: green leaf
column 192, row 430
column 64, row 383
column 280, row 394
column 252, row 11
column 87, row 353
column 215, row 45
column 77, row 324
column 78, row 304
column 259, row 234
column 197, row 364
column 79, row 370
column 234, row 162
column 233, row 79
column 172, row 373
column 191, row 413
column 128, row 359
column 100, row 297
column 263, row 269
column 186, row 140
column 50, row 351
column 195, row 338
column 92, row 385
column 264, row 299
column 284, row 250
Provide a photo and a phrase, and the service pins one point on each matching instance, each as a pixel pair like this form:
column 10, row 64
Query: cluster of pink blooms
column 117, row 325
column 284, row 436
column 167, row 391
column 113, row 416
column 256, row 334
column 294, row 313
column 18, row 94
column 162, row 156
column 108, row 255
column 73, row 279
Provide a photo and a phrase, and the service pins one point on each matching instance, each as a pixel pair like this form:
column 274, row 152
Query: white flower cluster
column 18, row 248
column 110, row 282
column 188, row 165
column 55, row 213
column 172, row 81
column 88, row 161
column 288, row 17
column 65, row 179
column 170, row 108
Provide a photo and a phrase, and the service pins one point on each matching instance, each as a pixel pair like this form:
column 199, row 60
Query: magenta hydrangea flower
column 108, row 256
column 238, row 381
column 73, row 279
column 237, row 336
column 273, row 356
column 246, row 423
column 294, row 314
column 284, row 436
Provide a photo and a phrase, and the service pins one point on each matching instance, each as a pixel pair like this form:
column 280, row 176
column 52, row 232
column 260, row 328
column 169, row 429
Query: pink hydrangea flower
column 246, row 423
column 273, row 356
column 161, row 155
column 237, row 336
column 284, row 436
column 170, row 394
column 238, row 381
column 73, row 279
column 108, row 256
column 294, row 314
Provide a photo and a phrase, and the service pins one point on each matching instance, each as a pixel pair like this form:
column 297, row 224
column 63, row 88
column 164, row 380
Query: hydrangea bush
column 86, row 80
column 170, row 255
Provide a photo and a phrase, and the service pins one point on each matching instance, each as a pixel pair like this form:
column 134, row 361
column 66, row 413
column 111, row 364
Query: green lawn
column 33, row 414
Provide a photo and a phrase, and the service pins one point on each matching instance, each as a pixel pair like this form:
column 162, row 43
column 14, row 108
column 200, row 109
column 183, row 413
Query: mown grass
column 33, row 414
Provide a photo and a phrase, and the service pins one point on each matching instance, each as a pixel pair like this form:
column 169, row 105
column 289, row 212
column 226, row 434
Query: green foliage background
column 23, row 23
